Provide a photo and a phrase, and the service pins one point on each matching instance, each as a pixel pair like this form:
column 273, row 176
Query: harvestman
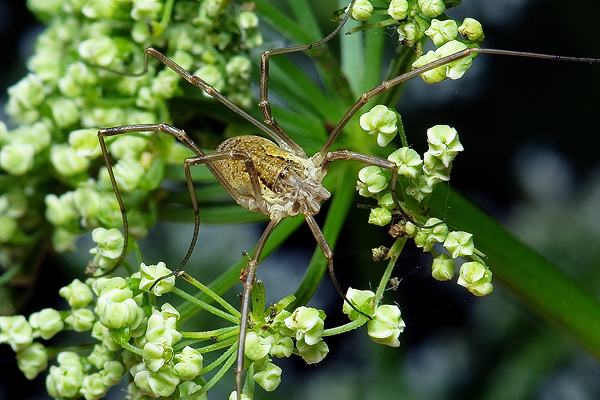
column 278, row 180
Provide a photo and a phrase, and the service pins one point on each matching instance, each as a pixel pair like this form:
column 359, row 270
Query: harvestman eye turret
column 275, row 177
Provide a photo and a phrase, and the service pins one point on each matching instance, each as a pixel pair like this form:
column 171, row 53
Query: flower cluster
column 422, row 19
column 416, row 179
column 132, row 334
column 63, row 101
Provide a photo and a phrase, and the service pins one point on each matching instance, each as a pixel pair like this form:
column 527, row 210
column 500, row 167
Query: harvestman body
column 276, row 177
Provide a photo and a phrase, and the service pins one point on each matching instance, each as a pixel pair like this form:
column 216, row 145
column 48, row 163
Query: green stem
column 213, row 381
column 350, row 326
column 131, row 348
column 217, row 346
column 394, row 253
column 205, row 306
column 219, row 360
column 208, row 334
column 203, row 288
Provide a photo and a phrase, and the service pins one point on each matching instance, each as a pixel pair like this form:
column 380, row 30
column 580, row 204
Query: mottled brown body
column 289, row 184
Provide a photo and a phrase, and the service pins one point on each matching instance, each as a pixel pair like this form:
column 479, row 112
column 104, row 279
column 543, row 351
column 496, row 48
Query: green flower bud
column 386, row 325
column 476, row 278
column 238, row 68
column 100, row 355
column 434, row 75
column 101, row 333
column 308, row 323
column 442, row 268
column 165, row 84
column 88, row 203
column 380, row 121
column 211, row 75
column 46, row 323
column 28, row 93
column 63, row 240
column 386, row 201
column 37, row 135
column 100, row 50
column 15, row 331
column 408, row 161
column 459, row 244
column 93, row 387
column 427, row 238
column 362, row 9
column 161, row 383
column 434, row 170
column 281, row 346
column 8, row 228
column 187, row 388
column 443, row 143
column 155, row 355
column 472, row 30
column 441, row 32
column 269, row 377
column 66, row 161
column 17, row 159
column 150, row 273
column 60, row 211
column 85, row 143
column 257, row 347
column 233, row 396
column 128, row 174
column 455, row 69
column 32, row 360
column 128, row 147
column 188, row 363
column 44, row 8
column 432, row 8
column 65, row 112
column 409, row 33
column 247, row 20
column 373, row 181
column 312, row 354
column 364, row 300
column 81, row 319
column 380, row 216
column 145, row 10
column 115, row 306
column 162, row 326
column 65, row 380
column 112, row 373
column 45, row 64
column 109, row 247
column 100, row 9
column 279, row 325
column 420, row 187
column 398, row 9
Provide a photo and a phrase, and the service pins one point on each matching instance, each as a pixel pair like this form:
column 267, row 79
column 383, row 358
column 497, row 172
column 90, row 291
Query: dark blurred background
column 531, row 137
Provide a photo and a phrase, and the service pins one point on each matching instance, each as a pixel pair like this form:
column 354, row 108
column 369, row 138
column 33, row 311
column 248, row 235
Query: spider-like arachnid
column 276, row 177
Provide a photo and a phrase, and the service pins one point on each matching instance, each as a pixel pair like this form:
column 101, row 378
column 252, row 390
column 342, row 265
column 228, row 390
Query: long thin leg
column 163, row 128
column 380, row 162
column 248, row 282
column 208, row 159
column 264, row 104
column 387, row 85
column 214, row 93
column 322, row 242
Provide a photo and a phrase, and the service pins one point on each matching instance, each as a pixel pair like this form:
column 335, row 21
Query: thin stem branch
column 205, row 289
column 205, row 306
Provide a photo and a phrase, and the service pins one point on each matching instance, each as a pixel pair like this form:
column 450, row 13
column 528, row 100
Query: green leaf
column 229, row 214
column 306, row 18
column 547, row 291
